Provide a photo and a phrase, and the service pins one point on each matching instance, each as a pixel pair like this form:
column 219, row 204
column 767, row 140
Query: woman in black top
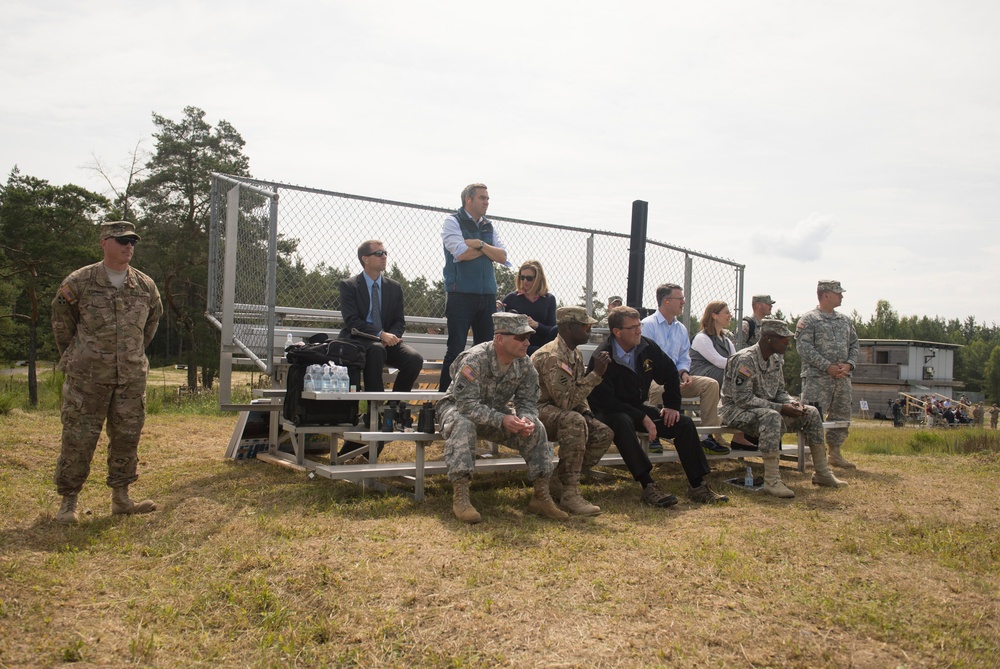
column 533, row 299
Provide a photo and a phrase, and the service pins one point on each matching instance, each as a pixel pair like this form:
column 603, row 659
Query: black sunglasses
column 378, row 254
column 124, row 241
column 526, row 277
column 520, row 337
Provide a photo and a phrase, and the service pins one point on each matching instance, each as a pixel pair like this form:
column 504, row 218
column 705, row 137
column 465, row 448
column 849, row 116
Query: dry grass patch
column 254, row 565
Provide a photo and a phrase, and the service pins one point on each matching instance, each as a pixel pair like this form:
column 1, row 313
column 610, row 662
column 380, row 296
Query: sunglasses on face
column 526, row 277
column 378, row 254
column 521, row 337
column 125, row 241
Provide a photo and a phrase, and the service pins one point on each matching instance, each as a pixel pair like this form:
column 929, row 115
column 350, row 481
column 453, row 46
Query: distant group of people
column 942, row 411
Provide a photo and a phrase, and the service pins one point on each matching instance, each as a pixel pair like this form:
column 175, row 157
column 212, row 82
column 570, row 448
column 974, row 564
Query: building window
column 882, row 357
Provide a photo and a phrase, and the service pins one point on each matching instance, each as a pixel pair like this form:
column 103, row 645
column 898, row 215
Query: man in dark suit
column 384, row 325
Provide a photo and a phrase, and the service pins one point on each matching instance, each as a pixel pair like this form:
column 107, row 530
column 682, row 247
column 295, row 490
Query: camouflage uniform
column 822, row 340
column 475, row 404
column 102, row 333
column 753, row 391
column 994, row 415
column 563, row 408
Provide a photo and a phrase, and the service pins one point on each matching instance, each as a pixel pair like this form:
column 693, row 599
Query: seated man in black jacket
column 621, row 402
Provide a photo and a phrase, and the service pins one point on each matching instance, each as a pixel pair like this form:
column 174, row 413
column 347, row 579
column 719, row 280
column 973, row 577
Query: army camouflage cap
column 766, row 299
column 829, row 286
column 513, row 324
column 616, row 298
column 573, row 315
column 775, row 326
column 118, row 229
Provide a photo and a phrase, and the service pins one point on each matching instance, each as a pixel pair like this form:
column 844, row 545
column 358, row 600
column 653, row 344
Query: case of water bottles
column 327, row 378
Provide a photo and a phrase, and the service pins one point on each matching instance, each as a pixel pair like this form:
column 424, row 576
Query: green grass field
column 252, row 565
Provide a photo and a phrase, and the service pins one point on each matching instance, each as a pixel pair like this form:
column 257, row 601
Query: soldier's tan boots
column 772, row 478
column 823, row 475
column 837, row 460
column 572, row 501
column 542, row 504
column 461, row 505
column 67, row 512
column 121, row 504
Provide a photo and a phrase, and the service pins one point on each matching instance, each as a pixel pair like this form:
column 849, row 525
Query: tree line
column 47, row 231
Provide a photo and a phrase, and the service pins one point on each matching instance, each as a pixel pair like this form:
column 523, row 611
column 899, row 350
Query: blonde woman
column 533, row 299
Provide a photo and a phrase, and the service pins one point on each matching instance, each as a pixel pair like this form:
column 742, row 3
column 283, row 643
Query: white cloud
column 804, row 242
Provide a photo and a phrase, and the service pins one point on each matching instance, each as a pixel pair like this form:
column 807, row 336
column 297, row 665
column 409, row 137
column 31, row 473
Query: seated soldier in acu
column 494, row 396
column 754, row 400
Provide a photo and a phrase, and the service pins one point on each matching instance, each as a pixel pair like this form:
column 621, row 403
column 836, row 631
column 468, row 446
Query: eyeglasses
column 520, row 337
column 526, row 277
column 378, row 254
column 637, row 326
column 126, row 241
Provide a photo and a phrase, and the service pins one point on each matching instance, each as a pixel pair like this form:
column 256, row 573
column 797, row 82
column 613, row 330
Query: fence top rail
column 444, row 210
column 248, row 184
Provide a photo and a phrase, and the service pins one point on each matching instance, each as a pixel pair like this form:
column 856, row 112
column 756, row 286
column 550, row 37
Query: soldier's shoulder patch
column 566, row 368
column 66, row 292
column 647, row 365
column 468, row 372
column 744, row 370
column 801, row 324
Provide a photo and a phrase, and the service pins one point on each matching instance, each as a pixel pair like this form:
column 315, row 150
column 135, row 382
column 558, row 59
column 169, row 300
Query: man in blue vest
column 471, row 246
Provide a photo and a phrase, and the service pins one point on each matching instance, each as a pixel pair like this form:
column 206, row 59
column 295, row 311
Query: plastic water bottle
column 288, row 341
column 327, row 380
column 748, row 482
column 307, row 380
column 345, row 380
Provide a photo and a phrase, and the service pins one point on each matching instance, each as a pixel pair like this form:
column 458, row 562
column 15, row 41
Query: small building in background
column 888, row 367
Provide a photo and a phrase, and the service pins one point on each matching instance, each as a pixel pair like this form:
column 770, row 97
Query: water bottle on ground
column 748, row 482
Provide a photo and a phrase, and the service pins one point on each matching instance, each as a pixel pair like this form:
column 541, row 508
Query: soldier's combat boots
column 772, row 478
column 572, row 501
column 67, row 511
column 122, row 505
column 837, row 460
column 461, row 505
column 541, row 502
column 823, row 475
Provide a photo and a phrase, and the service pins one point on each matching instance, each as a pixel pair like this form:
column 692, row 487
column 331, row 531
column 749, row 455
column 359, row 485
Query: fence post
column 588, row 290
column 688, row 266
column 637, row 254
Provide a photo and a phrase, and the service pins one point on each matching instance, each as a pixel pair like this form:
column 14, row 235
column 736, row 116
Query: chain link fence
column 294, row 261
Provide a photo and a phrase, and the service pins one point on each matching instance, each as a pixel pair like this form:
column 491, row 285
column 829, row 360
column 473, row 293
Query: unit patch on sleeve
column 67, row 293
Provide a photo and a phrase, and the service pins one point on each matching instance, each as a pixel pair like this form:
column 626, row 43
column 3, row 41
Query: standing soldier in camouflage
column 828, row 345
column 749, row 332
column 563, row 408
column 489, row 379
column 104, row 316
column 754, row 400
column 994, row 415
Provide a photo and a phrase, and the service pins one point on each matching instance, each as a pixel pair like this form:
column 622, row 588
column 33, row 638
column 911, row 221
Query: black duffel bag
column 320, row 351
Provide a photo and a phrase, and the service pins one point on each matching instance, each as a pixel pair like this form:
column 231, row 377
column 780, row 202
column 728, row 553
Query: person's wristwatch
column 481, row 244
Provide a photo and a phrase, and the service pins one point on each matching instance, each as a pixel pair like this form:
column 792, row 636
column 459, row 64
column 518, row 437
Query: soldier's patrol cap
column 616, row 298
column 775, row 326
column 512, row 324
column 573, row 315
column 828, row 286
column 118, row 229
column 766, row 299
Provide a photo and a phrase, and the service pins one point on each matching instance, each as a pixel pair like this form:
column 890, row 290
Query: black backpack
column 321, row 412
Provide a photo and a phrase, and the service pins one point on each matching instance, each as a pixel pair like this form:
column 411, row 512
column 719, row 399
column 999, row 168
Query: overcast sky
column 851, row 140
